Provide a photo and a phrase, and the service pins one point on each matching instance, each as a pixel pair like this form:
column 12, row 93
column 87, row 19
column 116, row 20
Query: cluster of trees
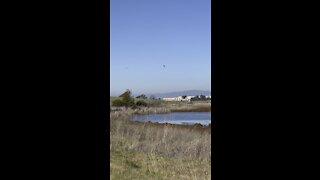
column 142, row 96
column 200, row 98
column 128, row 101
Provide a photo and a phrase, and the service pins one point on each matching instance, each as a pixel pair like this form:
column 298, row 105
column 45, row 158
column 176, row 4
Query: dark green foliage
column 126, row 101
column 141, row 103
column 118, row 103
column 130, row 103
column 142, row 96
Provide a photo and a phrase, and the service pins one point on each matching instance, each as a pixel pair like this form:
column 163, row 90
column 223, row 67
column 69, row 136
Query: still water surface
column 203, row 118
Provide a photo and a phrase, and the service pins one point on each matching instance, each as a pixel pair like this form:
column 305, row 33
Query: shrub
column 118, row 103
column 127, row 99
column 142, row 96
column 130, row 103
column 141, row 103
column 155, row 103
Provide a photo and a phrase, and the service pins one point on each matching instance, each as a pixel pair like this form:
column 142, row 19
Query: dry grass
column 158, row 151
column 127, row 164
column 167, row 107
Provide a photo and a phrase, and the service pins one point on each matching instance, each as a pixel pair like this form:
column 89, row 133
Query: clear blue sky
column 147, row 34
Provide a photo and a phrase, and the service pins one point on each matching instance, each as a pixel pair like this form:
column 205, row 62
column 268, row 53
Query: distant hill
column 181, row 93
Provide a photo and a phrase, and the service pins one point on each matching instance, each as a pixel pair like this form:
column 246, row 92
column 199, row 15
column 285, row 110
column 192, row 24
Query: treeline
column 128, row 101
column 200, row 98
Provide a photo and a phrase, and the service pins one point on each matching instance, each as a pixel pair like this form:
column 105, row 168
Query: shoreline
column 165, row 109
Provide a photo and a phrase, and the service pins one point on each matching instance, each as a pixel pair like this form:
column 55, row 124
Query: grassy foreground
column 128, row 164
column 158, row 151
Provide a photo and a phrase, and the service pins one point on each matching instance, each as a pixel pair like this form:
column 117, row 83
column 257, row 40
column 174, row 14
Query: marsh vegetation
column 144, row 150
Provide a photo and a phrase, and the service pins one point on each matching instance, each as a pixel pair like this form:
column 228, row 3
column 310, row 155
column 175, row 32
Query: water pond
column 189, row 118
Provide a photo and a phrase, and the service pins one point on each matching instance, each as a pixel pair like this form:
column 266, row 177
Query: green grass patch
column 127, row 164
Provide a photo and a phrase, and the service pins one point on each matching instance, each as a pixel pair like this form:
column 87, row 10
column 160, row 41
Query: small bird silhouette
column 164, row 65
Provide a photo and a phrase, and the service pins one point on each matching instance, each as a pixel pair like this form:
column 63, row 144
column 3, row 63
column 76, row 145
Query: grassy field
column 128, row 164
column 159, row 151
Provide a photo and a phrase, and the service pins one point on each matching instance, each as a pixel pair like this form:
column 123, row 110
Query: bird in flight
column 164, row 65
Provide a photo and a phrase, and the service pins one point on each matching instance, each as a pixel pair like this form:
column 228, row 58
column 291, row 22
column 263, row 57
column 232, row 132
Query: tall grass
column 157, row 146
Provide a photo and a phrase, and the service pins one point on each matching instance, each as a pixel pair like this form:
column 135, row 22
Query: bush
column 141, row 103
column 127, row 99
column 155, row 103
column 118, row 103
column 130, row 103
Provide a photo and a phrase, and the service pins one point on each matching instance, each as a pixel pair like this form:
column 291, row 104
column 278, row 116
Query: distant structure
column 188, row 98
column 169, row 99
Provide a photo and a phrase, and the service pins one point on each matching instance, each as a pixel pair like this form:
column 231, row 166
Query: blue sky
column 147, row 34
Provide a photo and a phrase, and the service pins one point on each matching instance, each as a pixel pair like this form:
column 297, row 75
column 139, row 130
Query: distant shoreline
column 168, row 107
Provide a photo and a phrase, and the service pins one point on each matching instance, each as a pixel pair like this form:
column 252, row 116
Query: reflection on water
column 203, row 118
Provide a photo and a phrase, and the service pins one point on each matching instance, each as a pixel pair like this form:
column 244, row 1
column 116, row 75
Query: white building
column 188, row 98
column 169, row 99
column 179, row 98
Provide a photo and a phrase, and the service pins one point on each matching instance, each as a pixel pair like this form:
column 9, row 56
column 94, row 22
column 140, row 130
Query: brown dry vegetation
column 158, row 151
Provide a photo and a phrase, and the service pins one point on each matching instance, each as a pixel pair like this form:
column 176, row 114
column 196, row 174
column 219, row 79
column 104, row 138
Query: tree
column 142, row 96
column 127, row 98
column 152, row 97
column 141, row 103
